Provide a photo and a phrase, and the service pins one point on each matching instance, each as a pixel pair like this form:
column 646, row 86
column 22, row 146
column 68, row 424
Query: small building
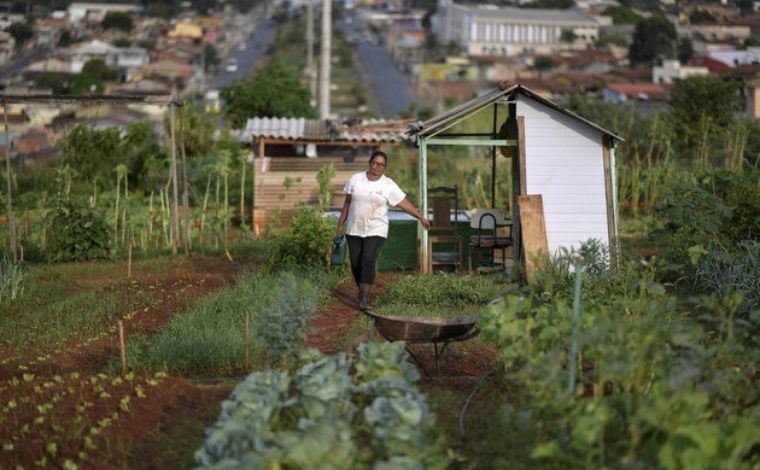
column 553, row 152
column 672, row 70
column 508, row 31
column 96, row 12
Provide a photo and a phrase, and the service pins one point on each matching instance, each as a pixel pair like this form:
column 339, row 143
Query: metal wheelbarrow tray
column 439, row 331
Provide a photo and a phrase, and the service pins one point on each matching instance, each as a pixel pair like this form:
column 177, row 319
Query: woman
column 368, row 195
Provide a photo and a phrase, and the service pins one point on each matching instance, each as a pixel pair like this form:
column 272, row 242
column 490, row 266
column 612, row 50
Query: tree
column 274, row 91
column 65, row 40
column 616, row 39
column 91, row 78
column 654, row 38
column 701, row 17
column 57, row 82
column 701, row 106
column 117, row 20
column 685, row 49
column 543, row 63
column 21, row 32
column 622, row 15
column 92, row 151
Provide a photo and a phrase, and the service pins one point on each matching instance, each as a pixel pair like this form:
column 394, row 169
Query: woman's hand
column 425, row 223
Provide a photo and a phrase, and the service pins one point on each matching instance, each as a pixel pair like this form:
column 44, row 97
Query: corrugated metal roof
column 317, row 130
column 438, row 123
column 529, row 15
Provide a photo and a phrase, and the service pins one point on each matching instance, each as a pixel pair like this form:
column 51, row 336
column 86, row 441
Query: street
column 256, row 45
column 389, row 92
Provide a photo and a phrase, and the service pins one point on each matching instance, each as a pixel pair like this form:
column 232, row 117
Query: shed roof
column 312, row 130
column 438, row 123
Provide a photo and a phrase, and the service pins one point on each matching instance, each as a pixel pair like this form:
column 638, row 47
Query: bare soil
column 140, row 422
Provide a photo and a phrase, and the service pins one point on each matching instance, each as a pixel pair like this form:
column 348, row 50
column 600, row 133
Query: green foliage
column 91, row 151
column 117, row 20
column 701, row 17
column 12, row 283
column 438, row 295
column 57, row 82
column 92, row 77
column 323, row 416
column 702, row 105
column 209, row 338
column 654, row 38
column 616, row 39
column 685, row 50
column 77, row 233
column 543, row 63
column 324, row 179
column 305, row 243
column 654, row 386
column 725, row 272
column 21, row 32
column 622, row 15
column 273, row 91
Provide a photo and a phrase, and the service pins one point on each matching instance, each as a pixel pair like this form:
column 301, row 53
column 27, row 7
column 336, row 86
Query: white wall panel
column 564, row 164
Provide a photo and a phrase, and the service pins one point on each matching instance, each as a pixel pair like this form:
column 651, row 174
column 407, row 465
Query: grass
column 210, row 338
column 442, row 295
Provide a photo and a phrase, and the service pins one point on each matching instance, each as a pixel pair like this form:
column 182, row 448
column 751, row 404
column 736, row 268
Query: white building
column 508, row 31
column 114, row 57
column 96, row 12
column 734, row 57
column 672, row 70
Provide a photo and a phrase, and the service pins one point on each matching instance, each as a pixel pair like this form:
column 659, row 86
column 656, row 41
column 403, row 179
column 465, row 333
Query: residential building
column 619, row 93
column 718, row 33
column 737, row 57
column 96, row 12
column 508, row 31
column 7, row 46
column 672, row 70
column 186, row 30
column 116, row 57
column 7, row 19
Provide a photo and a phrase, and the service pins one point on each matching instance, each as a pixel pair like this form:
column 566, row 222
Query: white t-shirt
column 368, row 213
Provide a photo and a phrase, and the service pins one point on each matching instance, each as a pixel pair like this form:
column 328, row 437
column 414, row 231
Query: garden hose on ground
column 475, row 390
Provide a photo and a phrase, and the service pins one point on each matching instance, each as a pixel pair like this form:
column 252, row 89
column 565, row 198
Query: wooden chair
column 443, row 230
column 490, row 234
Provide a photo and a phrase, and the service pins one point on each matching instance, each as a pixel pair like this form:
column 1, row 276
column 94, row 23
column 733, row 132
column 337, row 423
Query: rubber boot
column 364, row 296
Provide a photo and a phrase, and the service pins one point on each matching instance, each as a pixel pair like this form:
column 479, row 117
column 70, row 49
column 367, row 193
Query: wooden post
column 175, row 202
column 129, row 259
column 122, row 348
column 185, row 189
column 535, row 245
column 8, row 182
column 247, row 342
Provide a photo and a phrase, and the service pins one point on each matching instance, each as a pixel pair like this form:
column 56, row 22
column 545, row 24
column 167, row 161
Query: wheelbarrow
column 439, row 331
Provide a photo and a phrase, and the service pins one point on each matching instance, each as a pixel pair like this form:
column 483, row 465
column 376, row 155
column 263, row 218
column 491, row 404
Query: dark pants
column 363, row 253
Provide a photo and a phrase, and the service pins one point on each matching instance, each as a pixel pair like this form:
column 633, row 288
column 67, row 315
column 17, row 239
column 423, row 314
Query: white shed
column 565, row 158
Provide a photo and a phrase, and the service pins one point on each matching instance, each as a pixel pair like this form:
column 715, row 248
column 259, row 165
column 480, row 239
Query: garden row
column 658, row 366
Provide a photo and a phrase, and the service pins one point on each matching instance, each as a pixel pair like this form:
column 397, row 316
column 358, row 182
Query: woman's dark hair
column 378, row 153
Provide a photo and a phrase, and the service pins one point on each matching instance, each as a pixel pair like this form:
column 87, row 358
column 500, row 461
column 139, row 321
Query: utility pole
column 324, row 69
column 310, row 66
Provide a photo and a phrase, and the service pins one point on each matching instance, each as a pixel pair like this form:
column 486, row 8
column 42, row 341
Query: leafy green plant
column 323, row 416
column 305, row 243
column 77, row 232
column 11, row 280
column 441, row 294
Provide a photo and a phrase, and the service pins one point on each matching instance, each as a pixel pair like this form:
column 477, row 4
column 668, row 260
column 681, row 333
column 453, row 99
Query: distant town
column 629, row 51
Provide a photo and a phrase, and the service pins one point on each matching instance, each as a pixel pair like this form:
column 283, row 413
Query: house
column 736, row 57
column 566, row 159
column 619, row 93
column 405, row 41
column 186, row 30
column 672, row 70
column 718, row 32
column 115, row 57
column 713, row 65
column 96, row 12
column 507, row 31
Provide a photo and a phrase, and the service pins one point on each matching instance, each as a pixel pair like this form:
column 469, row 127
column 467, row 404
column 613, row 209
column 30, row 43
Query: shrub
column 77, row 233
column 723, row 272
column 11, row 280
column 305, row 243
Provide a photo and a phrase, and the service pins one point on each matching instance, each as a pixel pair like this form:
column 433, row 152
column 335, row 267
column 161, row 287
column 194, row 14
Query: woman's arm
column 343, row 215
column 409, row 208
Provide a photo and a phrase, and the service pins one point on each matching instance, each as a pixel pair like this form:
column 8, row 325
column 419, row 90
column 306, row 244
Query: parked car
column 232, row 65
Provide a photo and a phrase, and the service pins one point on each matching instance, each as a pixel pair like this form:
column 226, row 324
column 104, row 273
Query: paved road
column 256, row 44
column 16, row 65
column 388, row 89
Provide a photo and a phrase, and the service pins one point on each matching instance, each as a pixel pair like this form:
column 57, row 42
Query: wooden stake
column 122, row 348
column 247, row 342
column 129, row 260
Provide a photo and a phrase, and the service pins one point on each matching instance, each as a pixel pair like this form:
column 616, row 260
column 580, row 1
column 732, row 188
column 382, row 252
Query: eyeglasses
column 378, row 164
